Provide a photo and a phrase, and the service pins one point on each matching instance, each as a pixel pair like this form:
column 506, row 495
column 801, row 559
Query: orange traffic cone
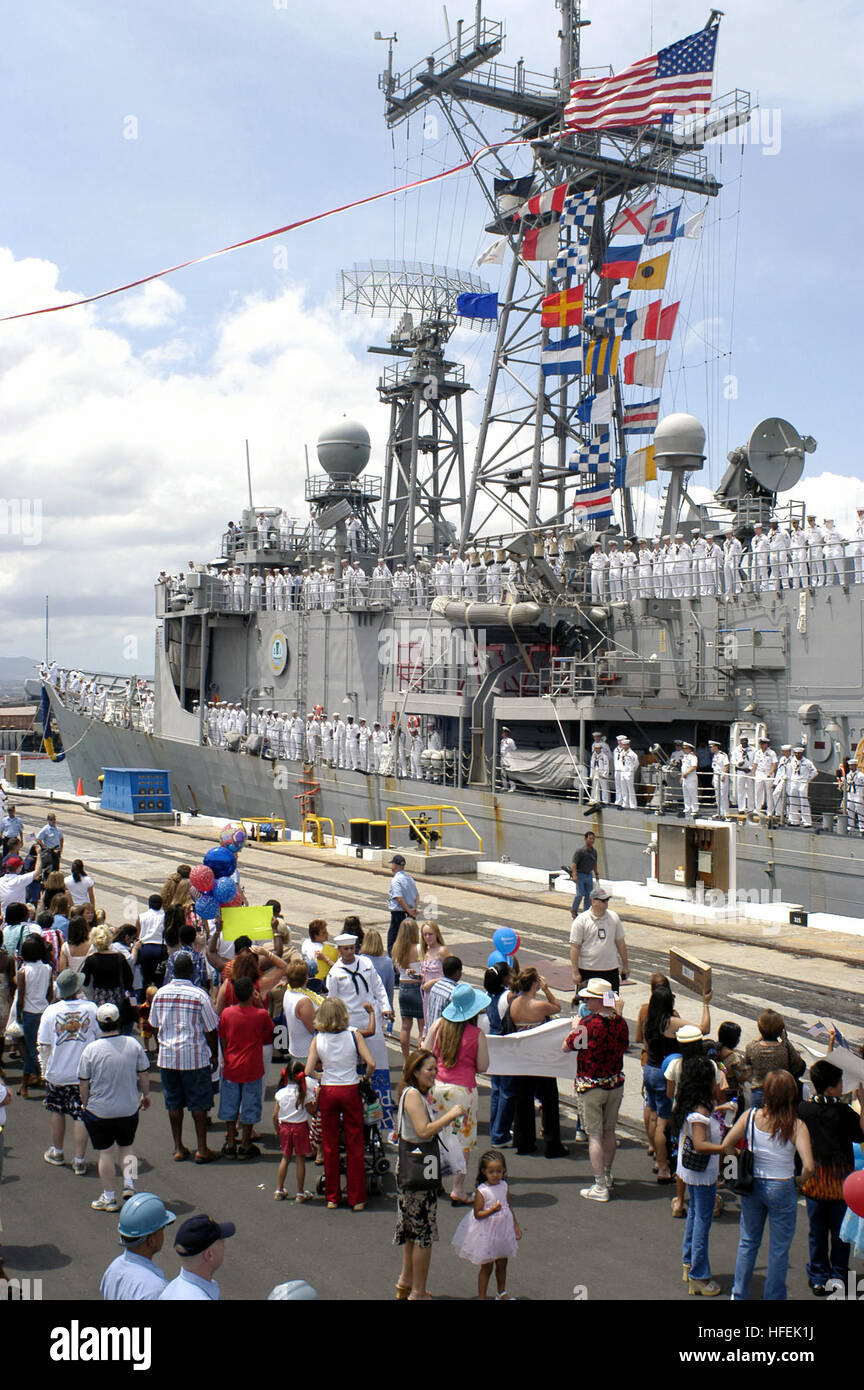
column 79, row 790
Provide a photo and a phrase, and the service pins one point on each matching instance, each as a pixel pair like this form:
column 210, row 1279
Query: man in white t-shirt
column 115, row 1087
column 597, row 944
column 65, row 1030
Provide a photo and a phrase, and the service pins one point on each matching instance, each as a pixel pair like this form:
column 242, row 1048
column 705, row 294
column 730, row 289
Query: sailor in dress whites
column 835, row 555
column 352, row 531
column 698, row 553
column 798, row 577
column 629, row 566
column 764, row 768
column 760, row 554
column 658, row 570
column 328, row 594
column 732, row 552
column 295, row 736
column 627, row 765
column 401, row 587
column 681, row 567
column 441, row 576
column 801, row 774
column 338, row 740
column 359, row 586
column 743, row 764
column 598, row 564
column 815, row 544
column 352, row 743
column 416, row 754
column 713, row 568
column 780, row 785
column 285, row 528
column 379, row 743
column 780, row 553
column 313, row 739
column 270, row 590
column 280, row 590
column 600, row 769
column 720, row 777
column 382, row 583
column 364, row 737
column 856, row 547
column 458, row 570
column 616, row 586
column 506, row 747
column 645, row 571
column 326, row 741
column 495, row 578
column 471, row 578
column 690, row 780
column 855, row 799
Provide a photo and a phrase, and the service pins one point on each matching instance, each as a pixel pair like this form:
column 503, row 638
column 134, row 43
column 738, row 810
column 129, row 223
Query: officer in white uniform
column 780, row 785
column 328, row 597
column 352, row 531
column 352, row 743
column 764, row 768
column 364, row 736
column 495, row 580
column 338, row 740
column 359, row 586
column 801, row 774
column 627, row 765
column 743, row 764
column 698, row 551
column 506, row 747
column 690, row 780
column 855, row 799
column 835, row 555
column 658, row 570
column 616, row 586
column 379, row 743
column 629, row 566
column 681, row 567
column 458, row 569
column 598, row 563
column 416, row 754
column 401, row 587
column 720, row 777
column 713, row 567
column 798, row 578
column 600, row 769
column 326, row 741
column 760, row 555
column 732, row 552
column 441, row 576
column 815, row 544
column 781, row 549
column 382, row 583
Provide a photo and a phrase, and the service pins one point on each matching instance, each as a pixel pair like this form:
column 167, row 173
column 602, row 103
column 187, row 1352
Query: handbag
column 691, row 1158
column 418, row 1165
column 743, row 1182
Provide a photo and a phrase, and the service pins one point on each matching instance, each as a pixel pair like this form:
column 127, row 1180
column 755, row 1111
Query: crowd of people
column 87, row 1011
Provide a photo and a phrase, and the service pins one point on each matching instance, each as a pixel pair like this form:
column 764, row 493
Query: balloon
column 236, row 901
column 207, row 907
column 224, row 889
column 495, row 958
column 201, row 878
column 518, row 944
column 222, row 861
column 505, row 940
column 853, row 1192
column 233, row 837
column 668, row 1060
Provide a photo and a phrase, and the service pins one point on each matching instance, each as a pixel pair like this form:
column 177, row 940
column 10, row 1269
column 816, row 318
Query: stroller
column 375, row 1159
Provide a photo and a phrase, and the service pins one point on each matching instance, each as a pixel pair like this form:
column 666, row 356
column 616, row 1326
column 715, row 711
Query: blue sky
column 249, row 115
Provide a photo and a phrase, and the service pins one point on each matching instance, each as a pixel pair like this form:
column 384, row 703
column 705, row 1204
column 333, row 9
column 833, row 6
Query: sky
column 138, row 136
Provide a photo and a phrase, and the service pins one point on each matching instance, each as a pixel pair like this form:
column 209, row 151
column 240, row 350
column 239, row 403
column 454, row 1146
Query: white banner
column 536, row 1052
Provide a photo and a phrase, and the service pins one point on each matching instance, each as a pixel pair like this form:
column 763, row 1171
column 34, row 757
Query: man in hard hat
column 134, row 1276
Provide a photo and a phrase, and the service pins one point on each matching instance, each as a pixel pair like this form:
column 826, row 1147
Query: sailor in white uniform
column 645, row 571
column 856, row 547
column 441, row 576
column 780, row 553
column 313, row 739
column 801, row 774
column 598, row 564
column 326, row 741
column 616, row 586
column 416, row 754
column 760, row 553
column 798, row 578
column 732, row 552
column 495, row 580
column 352, row 531
column 681, row 568
column 295, row 736
column 382, row 584
column 658, row 570
column 764, row 768
column 698, row 551
column 352, row 743
column 815, row 545
column 338, row 740
column 401, row 587
column 627, row 765
column 720, row 777
column 835, row 555
column 690, row 780
column 780, row 785
column 713, row 568
column 506, row 747
column 379, row 743
column 743, row 764
column 855, row 799
column 600, row 769
column 359, row 586
column 364, row 736
column 328, row 589
column 629, row 567
column 458, row 569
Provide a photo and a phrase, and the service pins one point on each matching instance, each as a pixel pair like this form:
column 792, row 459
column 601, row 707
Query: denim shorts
column 654, row 1087
column 187, row 1090
column 241, row 1100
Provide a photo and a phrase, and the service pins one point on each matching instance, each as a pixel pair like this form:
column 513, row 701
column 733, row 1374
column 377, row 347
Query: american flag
column 677, row 79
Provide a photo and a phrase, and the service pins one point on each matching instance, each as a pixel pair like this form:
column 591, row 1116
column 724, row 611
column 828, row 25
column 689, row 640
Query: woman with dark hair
column 773, row 1132
column 79, row 885
column 34, row 992
column 353, row 927
column 527, row 1010
column 662, row 1022
column 699, row 1146
column 730, row 1059
column 416, row 1226
column 771, row 1051
column 60, row 908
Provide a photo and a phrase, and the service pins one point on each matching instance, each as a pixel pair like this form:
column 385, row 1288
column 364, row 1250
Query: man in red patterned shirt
column 601, row 1039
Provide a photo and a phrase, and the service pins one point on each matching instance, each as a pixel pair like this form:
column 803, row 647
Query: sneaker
column 598, row 1193
column 79, row 1167
column 580, row 1136
column 608, row 1179
column 128, row 1191
column 105, row 1203
column 54, row 1156
column 252, row 1151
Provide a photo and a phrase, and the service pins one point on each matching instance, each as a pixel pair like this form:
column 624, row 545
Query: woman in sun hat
column 461, row 1052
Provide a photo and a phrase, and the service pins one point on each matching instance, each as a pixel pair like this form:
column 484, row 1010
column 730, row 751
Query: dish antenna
column 776, row 454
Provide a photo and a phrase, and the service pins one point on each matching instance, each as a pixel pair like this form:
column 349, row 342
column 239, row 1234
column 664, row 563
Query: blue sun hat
column 466, row 1003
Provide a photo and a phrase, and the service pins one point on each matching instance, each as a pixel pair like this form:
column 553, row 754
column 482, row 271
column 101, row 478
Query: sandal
column 180, row 1155
column 402, row 1290
column 305, row 1197
column 280, row 1195
column 678, row 1208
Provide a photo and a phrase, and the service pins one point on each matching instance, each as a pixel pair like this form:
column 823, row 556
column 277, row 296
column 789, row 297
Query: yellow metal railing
column 257, row 821
column 317, row 824
column 417, row 818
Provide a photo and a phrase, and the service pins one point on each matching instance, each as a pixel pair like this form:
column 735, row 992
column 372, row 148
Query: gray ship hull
column 822, row 872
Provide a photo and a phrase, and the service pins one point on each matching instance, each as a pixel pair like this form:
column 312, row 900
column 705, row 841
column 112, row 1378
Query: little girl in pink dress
column 488, row 1235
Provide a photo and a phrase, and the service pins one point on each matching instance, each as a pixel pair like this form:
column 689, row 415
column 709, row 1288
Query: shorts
column 187, row 1090
column 599, row 1110
column 654, row 1086
column 241, row 1100
column 410, row 1001
column 64, row 1100
column 295, row 1140
column 118, row 1130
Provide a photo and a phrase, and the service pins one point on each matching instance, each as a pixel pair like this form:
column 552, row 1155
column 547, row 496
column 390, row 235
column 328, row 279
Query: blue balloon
column 496, row 958
column 207, row 906
column 224, row 889
column 505, row 939
column 221, row 861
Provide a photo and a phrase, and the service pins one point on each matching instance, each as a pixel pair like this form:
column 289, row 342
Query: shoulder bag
column 418, row 1166
column 743, row 1182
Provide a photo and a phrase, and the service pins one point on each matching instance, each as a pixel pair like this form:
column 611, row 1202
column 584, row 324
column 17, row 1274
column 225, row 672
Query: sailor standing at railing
column 798, row 577
column 690, row 780
column 364, row 736
column 781, row 551
column 815, row 547
column 359, row 586
column 473, row 577
column 856, row 547
column 352, row 743
column 599, row 769
column 835, row 555
column 495, row 579
column 627, row 765
column 598, row 564
column 681, row 567
column 416, row 754
column 780, row 784
column 719, row 776
column 801, row 774
column 764, row 769
column 326, row 740
column 256, row 586
column 732, row 552
column 240, row 588
column 713, row 568
column 855, row 799
column 382, row 583
column 458, row 568
column 379, row 743
column 441, row 576
column 416, row 587
column 629, row 566
column 743, row 764
column 506, row 747
column 338, row 740
column 760, row 554
column 352, row 531
column 401, row 587
column 616, row 565
column 284, row 530
column 328, row 589
column 698, row 552
column 645, row 571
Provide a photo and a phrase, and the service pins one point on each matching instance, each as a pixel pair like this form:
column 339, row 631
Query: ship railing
column 426, row 825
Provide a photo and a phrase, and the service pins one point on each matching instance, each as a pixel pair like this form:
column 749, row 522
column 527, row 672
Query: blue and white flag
column 594, row 457
column 573, row 260
column 562, row 358
column 595, row 409
column 610, row 317
column 579, row 210
column 664, row 226
column 592, row 503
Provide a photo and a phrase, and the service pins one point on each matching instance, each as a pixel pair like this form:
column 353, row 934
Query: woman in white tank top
column 774, row 1133
column 299, row 1009
column 336, row 1053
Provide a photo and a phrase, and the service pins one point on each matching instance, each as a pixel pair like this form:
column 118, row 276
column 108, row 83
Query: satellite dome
column 679, row 442
column 344, row 448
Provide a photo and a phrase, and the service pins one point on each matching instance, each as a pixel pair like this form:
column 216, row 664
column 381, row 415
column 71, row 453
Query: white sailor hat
column 799, row 748
column 697, row 531
column 764, row 740
column 829, row 521
column 335, row 714
column 613, row 542
column 377, row 724
column 667, row 538
column 597, row 734
column 757, row 526
column 685, row 744
column 714, row 743
column 362, row 719
column 624, row 738
column 785, row 747
column 679, row 535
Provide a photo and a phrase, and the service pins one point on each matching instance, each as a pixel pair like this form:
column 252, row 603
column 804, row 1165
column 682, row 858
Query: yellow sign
column 254, row 922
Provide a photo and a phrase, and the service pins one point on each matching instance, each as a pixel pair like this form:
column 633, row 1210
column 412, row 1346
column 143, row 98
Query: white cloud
column 153, row 306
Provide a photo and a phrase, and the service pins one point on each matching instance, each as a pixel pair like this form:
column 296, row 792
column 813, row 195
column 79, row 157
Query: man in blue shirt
column 201, row 1242
column 11, row 829
column 50, row 841
column 134, row 1276
column 403, row 899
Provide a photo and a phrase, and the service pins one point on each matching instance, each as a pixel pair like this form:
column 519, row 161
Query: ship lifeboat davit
column 463, row 614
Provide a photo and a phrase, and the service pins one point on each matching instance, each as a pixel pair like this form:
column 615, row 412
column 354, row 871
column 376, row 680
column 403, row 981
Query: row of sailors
column 716, row 564
column 285, row 532
column 341, row 743
column 758, row 780
column 85, row 695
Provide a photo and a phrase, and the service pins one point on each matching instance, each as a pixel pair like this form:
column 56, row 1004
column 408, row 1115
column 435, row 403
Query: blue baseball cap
column 200, row 1232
